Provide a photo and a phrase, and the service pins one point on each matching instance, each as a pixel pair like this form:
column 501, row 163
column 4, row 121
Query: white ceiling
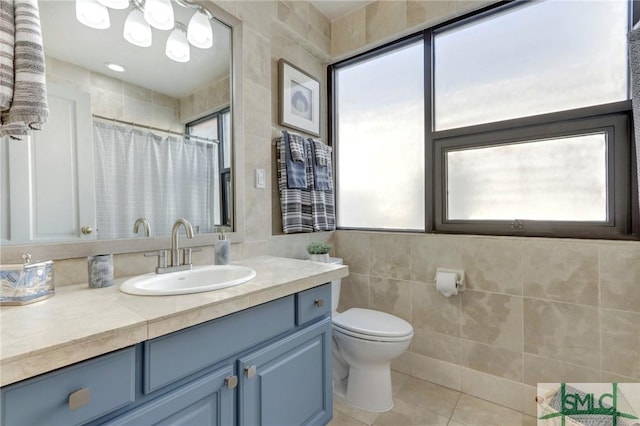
column 334, row 9
column 67, row 39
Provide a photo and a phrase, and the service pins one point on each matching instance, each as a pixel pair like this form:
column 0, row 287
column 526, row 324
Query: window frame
column 623, row 212
column 616, row 126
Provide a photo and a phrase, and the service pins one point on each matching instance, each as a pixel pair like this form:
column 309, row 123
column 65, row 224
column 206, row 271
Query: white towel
column 28, row 109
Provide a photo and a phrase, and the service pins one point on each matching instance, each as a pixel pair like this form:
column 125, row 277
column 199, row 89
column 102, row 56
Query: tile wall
column 535, row 310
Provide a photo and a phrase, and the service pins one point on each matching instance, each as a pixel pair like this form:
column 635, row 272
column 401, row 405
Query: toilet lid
column 372, row 323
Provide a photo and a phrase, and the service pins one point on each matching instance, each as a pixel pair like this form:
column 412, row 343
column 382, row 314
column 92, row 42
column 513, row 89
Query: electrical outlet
column 260, row 179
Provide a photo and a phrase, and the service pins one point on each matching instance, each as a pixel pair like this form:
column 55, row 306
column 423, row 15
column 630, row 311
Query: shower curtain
column 142, row 174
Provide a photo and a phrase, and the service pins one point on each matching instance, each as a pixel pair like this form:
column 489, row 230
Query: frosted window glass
column 532, row 59
column 553, row 179
column 380, row 147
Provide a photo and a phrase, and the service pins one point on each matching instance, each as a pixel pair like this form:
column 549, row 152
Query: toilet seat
column 372, row 325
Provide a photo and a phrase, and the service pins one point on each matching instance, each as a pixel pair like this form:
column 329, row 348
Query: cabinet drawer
column 177, row 355
column 74, row 394
column 313, row 303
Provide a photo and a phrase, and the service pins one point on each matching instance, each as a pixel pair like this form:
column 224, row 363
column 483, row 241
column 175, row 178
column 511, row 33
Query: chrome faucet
column 178, row 263
column 175, row 250
column 145, row 224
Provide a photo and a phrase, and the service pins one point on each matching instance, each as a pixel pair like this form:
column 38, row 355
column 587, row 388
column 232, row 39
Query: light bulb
column 115, row 4
column 159, row 14
column 92, row 14
column 178, row 47
column 199, row 31
column 136, row 30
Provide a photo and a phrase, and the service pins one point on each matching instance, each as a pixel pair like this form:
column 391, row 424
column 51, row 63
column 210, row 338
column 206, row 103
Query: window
column 217, row 126
column 526, row 131
column 530, row 59
column 380, row 125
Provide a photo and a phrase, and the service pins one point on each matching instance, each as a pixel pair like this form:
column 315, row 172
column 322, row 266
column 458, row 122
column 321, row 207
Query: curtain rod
column 143, row 126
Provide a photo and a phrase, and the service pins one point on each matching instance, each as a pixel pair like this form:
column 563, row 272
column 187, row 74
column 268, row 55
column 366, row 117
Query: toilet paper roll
column 446, row 283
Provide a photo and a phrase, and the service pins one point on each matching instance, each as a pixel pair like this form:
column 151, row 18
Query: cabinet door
column 288, row 383
column 206, row 401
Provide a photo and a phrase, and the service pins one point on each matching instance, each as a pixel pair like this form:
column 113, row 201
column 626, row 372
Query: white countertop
column 79, row 323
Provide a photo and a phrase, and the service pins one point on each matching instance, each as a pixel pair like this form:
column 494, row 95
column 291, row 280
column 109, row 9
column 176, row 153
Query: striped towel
column 28, row 109
column 7, row 41
column 307, row 209
column 295, row 203
column 321, row 165
column 295, row 160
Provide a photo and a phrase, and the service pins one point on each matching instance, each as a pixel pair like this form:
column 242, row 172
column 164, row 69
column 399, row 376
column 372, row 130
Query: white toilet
column 364, row 343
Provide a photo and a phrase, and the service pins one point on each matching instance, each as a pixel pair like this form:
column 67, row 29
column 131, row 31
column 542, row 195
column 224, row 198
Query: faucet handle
column 162, row 257
column 186, row 254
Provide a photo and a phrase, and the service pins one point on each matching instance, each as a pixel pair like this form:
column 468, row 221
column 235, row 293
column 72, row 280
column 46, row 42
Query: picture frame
column 299, row 99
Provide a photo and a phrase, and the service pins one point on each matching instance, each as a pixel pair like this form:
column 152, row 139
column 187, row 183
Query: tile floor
column 422, row 403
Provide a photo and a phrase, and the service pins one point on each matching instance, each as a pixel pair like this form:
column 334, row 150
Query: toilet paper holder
column 460, row 279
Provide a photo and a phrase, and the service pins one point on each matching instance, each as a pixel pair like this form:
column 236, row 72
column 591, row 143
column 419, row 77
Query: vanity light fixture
column 159, row 14
column 115, row 4
column 92, row 14
column 136, row 30
column 177, row 45
column 199, row 32
column 145, row 14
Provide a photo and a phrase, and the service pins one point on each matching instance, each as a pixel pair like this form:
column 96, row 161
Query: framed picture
column 299, row 99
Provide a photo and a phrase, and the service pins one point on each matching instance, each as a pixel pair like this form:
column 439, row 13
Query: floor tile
column 472, row 411
column 404, row 414
column 366, row 417
column 427, row 395
column 341, row 419
column 397, row 381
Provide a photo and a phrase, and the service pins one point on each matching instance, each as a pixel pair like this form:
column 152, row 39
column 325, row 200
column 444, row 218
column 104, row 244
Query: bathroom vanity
column 223, row 363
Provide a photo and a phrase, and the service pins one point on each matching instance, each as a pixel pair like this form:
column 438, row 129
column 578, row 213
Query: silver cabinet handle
column 79, row 398
column 250, row 371
column 231, row 382
column 319, row 302
column 86, row 230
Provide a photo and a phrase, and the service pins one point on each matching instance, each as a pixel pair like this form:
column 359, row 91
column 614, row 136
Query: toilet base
column 367, row 389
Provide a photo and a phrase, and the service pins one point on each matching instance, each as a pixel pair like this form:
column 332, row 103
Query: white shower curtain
column 142, row 174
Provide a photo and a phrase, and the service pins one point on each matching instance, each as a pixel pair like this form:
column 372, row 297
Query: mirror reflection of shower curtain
column 142, row 174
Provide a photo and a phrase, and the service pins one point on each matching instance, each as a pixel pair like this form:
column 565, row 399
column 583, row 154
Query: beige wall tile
column 492, row 264
column 385, row 18
column 348, row 33
column 435, row 371
column 291, row 19
column 529, row 404
column 539, row 369
column 355, row 292
column 491, row 318
column 103, row 82
column 402, row 364
column 355, row 250
column 620, row 276
column 562, row 331
column 319, row 21
column 257, row 14
column 432, row 311
column 491, row 388
column 492, row 360
column 391, row 296
column 620, row 342
column 561, row 271
column 436, row 345
column 421, row 12
column 256, row 54
column 429, row 252
column 390, row 256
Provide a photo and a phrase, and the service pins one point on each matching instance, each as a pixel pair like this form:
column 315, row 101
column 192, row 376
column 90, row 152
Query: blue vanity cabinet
column 289, row 381
column 208, row 400
column 269, row 365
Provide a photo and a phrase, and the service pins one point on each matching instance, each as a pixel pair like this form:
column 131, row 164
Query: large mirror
column 132, row 133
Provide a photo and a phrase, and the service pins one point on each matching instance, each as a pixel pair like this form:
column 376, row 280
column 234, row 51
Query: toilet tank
column 335, row 286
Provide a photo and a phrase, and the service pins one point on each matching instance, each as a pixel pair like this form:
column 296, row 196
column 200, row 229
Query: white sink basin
column 196, row 280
